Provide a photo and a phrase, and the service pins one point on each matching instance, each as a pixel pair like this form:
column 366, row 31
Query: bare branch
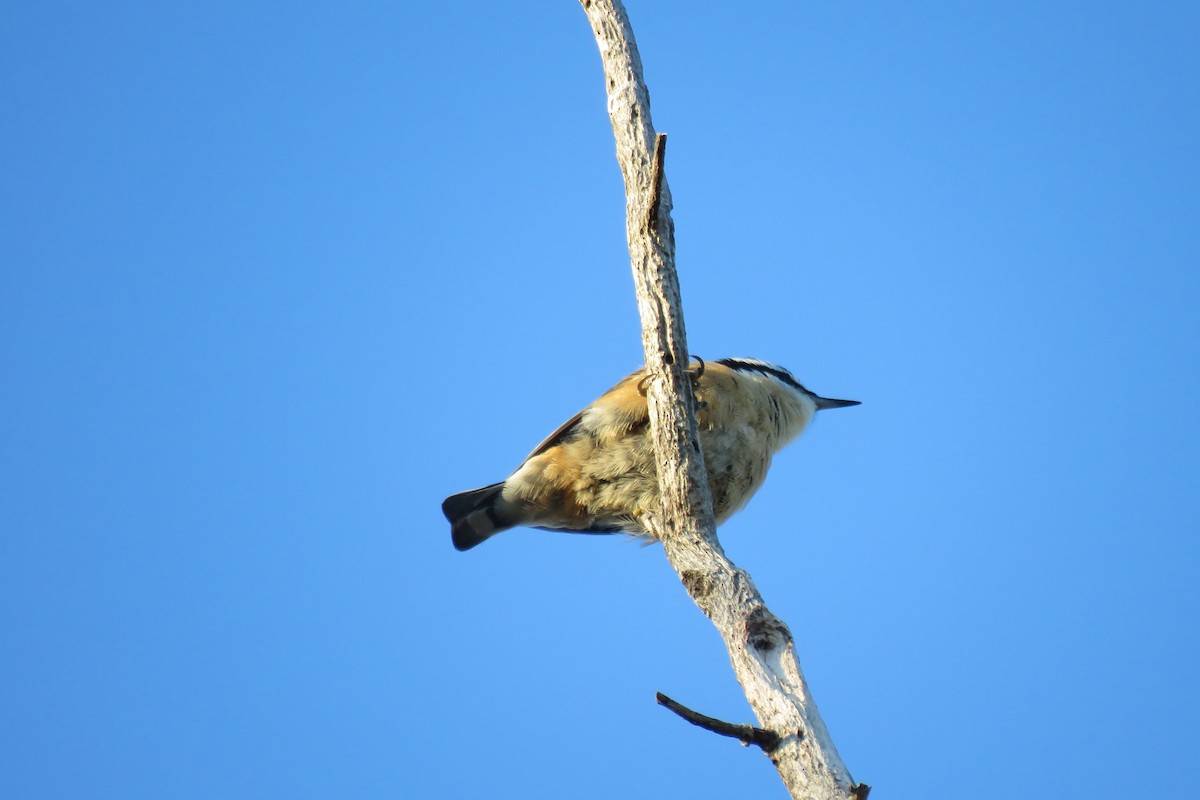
column 746, row 734
column 760, row 645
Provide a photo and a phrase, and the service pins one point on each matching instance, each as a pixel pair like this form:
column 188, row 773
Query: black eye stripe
column 742, row 365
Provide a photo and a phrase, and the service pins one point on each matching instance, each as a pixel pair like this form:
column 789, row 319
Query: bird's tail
column 477, row 515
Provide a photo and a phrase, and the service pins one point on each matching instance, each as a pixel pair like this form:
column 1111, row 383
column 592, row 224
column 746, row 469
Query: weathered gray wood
column 760, row 645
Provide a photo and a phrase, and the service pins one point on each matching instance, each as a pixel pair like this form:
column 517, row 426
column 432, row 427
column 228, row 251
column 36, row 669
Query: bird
column 597, row 472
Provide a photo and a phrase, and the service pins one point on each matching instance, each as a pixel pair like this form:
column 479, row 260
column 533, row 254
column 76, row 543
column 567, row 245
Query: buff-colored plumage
column 597, row 474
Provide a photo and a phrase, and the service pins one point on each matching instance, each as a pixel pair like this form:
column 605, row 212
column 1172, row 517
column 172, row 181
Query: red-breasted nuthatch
column 597, row 473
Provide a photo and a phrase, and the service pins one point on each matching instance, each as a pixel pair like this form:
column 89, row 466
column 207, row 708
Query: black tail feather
column 475, row 516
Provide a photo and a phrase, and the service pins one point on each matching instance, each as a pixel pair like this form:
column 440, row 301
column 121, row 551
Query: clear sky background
column 278, row 277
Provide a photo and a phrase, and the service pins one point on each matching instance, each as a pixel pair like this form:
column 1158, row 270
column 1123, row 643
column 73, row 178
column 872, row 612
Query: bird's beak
column 828, row 402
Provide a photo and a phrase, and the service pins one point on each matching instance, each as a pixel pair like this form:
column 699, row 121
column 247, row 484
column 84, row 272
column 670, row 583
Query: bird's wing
column 557, row 437
column 626, row 399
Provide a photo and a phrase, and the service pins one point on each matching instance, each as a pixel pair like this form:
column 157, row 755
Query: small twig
column 656, row 180
column 746, row 734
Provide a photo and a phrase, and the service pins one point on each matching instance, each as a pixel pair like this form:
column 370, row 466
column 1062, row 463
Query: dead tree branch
column 760, row 645
column 746, row 734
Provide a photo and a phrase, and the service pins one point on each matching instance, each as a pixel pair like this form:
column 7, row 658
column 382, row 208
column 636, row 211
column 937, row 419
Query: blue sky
column 279, row 277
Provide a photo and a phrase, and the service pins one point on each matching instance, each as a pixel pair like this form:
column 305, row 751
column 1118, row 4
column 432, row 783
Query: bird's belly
column 737, row 467
column 587, row 488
